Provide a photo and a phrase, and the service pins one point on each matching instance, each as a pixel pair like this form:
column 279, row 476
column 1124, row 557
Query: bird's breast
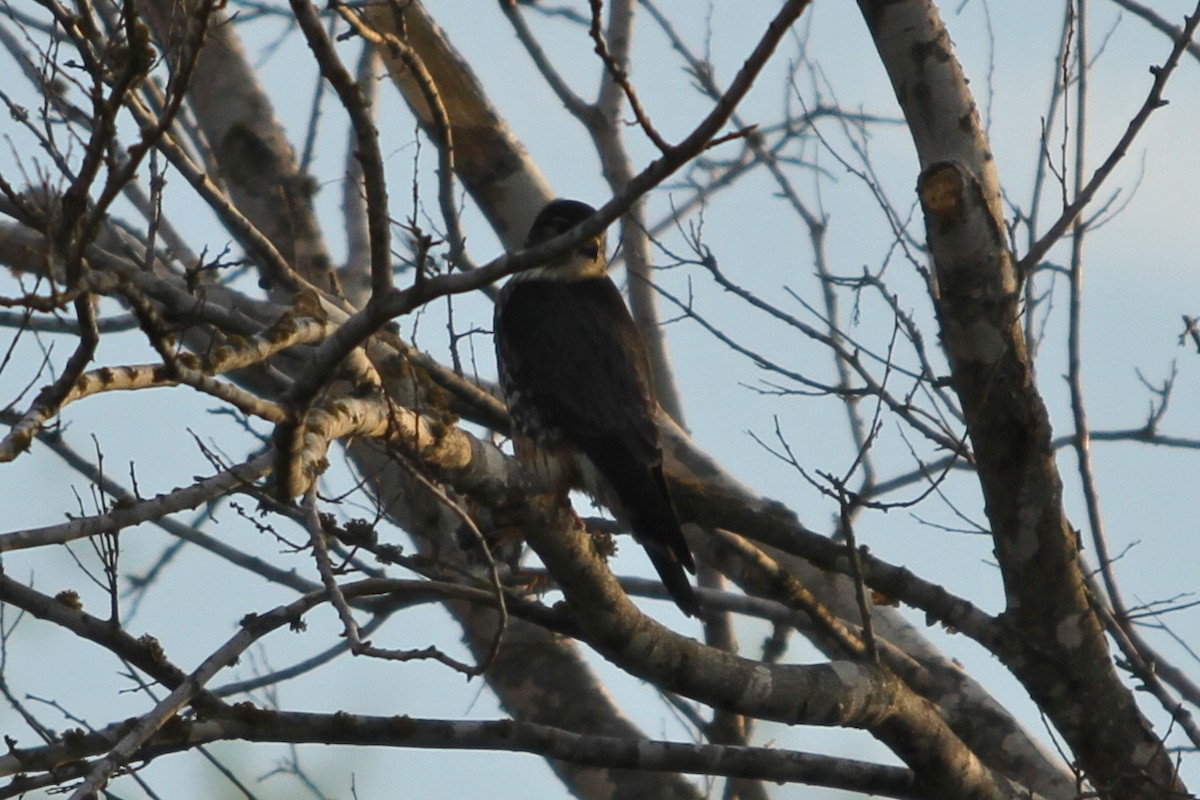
column 529, row 420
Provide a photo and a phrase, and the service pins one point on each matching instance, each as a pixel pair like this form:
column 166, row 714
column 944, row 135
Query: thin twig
column 366, row 137
column 620, row 76
column 1154, row 101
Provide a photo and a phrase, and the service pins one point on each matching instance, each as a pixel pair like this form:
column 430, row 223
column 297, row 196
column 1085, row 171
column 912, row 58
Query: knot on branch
column 942, row 187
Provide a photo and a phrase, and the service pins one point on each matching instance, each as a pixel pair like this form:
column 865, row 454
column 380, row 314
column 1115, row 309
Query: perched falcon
column 575, row 372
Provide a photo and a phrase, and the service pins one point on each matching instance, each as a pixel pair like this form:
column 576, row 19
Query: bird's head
column 586, row 260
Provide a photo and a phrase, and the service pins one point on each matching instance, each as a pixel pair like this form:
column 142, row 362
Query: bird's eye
column 590, row 250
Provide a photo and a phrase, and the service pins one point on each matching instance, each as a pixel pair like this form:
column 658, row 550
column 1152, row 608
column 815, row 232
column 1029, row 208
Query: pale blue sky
column 1141, row 278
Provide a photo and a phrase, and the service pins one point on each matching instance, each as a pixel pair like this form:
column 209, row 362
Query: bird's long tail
column 643, row 502
column 674, row 578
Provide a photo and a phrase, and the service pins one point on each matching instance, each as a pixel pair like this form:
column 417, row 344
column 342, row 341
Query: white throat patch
column 587, row 260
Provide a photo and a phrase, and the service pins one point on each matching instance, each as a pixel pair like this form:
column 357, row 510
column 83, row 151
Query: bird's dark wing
column 572, row 362
column 570, row 352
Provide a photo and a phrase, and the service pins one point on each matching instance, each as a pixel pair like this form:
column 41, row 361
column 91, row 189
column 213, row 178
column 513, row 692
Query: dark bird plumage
column 575, row 372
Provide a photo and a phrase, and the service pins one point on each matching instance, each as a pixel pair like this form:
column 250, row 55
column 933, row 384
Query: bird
column 575, row 373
